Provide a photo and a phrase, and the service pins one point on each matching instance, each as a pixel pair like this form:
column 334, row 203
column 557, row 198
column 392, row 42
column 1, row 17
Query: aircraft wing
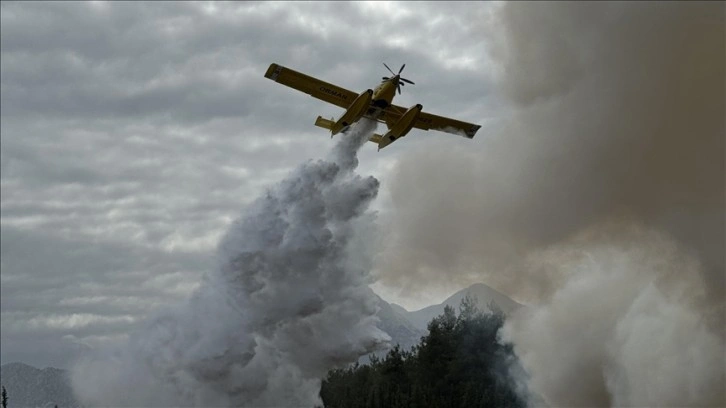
column 428, row 121
column 312, row 86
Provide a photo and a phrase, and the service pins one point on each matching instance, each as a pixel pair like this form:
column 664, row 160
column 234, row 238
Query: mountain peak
column 484, row 293
column 479, row 291
column 28, row 386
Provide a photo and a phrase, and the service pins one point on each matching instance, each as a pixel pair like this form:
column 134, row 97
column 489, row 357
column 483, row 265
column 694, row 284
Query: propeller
column 389, row 69
column 402, row 80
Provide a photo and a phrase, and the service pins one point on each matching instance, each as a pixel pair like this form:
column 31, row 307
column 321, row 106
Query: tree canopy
column 460, row 363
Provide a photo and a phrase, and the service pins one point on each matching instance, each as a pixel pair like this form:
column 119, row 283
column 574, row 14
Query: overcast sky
column 133, row 133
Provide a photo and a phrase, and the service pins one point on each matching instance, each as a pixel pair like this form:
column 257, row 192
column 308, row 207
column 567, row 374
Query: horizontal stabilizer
column 376, row 138
column 381, row 141
column 324, row 123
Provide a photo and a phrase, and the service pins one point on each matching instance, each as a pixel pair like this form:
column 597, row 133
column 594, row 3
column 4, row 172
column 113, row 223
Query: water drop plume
column 288, row 301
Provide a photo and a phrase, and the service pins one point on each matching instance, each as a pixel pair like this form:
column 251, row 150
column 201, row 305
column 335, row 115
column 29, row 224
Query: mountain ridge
column 28, row 386
column 483, row 294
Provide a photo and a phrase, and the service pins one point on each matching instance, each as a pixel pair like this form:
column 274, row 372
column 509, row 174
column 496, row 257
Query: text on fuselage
column 333, row 92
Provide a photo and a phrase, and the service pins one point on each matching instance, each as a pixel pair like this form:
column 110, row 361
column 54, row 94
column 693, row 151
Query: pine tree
column 459, row 363
column 5, row 397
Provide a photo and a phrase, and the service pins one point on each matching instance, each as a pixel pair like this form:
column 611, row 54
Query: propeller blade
column 389, row 69
column 385, row 78
column 399, row 88
column 399, row 71
column 401, row 83
column 407, row 81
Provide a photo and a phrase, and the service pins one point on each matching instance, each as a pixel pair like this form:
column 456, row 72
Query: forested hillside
column 459, row 363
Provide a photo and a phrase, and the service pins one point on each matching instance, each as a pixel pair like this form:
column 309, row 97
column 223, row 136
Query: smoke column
column 597, row 198
column 288, row 302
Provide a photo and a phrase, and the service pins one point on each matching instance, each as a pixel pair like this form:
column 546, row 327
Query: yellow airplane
column 371, row 103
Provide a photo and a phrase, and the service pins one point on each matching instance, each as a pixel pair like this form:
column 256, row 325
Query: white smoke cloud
column 623, row 328
column 288, row 302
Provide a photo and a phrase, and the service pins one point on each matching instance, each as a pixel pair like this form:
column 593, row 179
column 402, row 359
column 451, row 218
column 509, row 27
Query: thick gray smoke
column 624, row 326
column 598, row 199
column 288, row 302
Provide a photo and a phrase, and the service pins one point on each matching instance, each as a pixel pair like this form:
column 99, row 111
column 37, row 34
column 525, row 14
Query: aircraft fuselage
column 383, row 94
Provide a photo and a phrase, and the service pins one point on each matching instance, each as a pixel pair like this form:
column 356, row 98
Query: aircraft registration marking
column 333, row 92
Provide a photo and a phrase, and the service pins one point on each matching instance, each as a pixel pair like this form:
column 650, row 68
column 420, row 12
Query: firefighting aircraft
column 374, row 104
